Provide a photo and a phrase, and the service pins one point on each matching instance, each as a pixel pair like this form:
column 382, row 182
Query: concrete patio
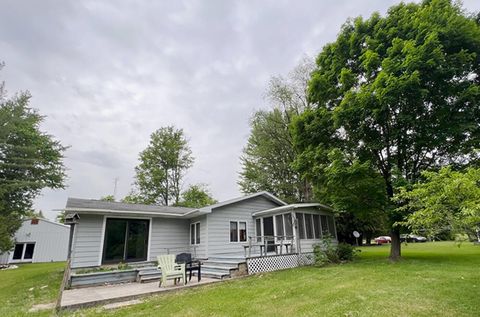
column 100, row 295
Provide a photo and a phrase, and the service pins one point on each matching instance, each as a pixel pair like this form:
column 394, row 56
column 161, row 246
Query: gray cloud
column 107, row 74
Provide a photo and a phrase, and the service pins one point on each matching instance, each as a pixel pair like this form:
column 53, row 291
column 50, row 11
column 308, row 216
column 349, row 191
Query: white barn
column 38, row 240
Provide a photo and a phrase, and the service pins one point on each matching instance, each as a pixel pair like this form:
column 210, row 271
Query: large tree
column 399, row 93
column 162, row 167
column 30, row 160
column 268, row 156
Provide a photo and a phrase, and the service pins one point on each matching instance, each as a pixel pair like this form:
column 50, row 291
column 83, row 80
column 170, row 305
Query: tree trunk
column 368, row 238
column 395, row 248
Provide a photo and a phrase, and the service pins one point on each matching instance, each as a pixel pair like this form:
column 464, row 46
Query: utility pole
column 115, row 188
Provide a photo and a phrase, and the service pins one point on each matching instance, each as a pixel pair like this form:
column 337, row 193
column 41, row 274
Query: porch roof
column 292, row 207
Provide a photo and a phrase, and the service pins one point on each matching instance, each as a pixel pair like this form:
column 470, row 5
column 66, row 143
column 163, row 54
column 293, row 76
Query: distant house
column 38, row 240
column 113, row 232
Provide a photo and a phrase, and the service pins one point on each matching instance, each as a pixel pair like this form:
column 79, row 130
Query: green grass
column 433, row 279
column 21, row 288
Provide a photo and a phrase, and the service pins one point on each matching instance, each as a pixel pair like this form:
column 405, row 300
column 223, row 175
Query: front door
column 268, row 233
column 126, row 240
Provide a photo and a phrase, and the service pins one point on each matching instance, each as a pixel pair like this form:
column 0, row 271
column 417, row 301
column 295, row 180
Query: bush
column 326, row 252
column 346, row 252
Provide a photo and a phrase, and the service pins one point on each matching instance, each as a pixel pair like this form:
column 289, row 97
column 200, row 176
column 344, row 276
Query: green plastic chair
column 170, row 269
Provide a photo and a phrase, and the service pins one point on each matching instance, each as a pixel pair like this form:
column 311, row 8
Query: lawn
column 433, row 279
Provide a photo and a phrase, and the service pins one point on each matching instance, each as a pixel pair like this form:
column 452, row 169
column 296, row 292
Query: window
column 279, row 225
column 316, row 226
column 18, row 252
column 23, row 251
column 287, row 219
column 29, row 248
column 309, row 225
column 238, row 231
column 324, row 225
column 258, row 229
column 126, row 240
column 233, row 231
column 301, row 225
column 242, row 231
column 195, row 233
column 331, row 225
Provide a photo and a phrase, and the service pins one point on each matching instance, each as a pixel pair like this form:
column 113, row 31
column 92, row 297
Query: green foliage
column 346, row 252
column 132, row 198
column 446, row 199
column 196, row 196
column 327, row 253
column 108, row 198
column 268, row 156
column 162, row 167
column 30, row 160
column 395, row 95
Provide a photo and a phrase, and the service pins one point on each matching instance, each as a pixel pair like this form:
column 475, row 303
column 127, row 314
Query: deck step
column 213, row 274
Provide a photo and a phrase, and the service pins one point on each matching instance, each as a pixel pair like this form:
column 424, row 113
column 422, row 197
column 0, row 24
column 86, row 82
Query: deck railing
column 266, row 243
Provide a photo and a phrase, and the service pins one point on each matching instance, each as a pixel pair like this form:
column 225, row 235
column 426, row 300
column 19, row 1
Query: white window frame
column 238, row 230
column 194, row 225
column 22, row 259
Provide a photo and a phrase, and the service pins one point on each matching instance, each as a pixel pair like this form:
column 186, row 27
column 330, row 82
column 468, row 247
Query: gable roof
column 92, row 205
column 265, row 194
column 111, row 207
column 47, row 221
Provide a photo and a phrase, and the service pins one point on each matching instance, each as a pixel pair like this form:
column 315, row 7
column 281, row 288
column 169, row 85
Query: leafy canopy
column 163, row 165
column 268, row 156
column 30, row 160
column 445, row 199
column 399, row 94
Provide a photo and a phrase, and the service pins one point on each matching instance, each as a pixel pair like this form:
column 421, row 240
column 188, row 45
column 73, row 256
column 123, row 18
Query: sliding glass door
column 126, row 240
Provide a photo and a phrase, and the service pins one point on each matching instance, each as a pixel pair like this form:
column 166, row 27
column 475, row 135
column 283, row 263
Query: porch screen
column 288, row 225
column 301, row 225
column 126, row 240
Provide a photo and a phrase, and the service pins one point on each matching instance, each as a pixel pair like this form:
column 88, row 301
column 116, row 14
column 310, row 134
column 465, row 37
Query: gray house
column 113, row 232
column 38, row 240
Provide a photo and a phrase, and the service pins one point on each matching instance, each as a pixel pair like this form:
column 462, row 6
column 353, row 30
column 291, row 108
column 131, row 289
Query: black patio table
column 190, row 265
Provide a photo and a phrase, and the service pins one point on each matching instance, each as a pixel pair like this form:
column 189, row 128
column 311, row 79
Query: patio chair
column 170, row 269
column 190, row 265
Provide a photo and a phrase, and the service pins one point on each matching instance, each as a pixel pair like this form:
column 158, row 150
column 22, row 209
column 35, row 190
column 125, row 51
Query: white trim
column 149, row 238
column 22, row 257
column 102, row 241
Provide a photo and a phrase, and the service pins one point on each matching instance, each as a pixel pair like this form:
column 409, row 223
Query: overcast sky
column 107, row 74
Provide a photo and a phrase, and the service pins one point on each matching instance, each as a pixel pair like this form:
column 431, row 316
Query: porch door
column 268, row 233
column 126, row 240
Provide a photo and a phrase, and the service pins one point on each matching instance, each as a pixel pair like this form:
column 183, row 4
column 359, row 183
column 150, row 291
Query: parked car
column 382, row 240
column 412, row 238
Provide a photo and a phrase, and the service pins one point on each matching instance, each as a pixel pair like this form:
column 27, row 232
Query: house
column 113, row 232
column 38, row 240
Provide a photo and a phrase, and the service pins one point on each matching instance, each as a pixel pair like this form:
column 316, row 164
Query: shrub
column 346, row 252
column 326, row 252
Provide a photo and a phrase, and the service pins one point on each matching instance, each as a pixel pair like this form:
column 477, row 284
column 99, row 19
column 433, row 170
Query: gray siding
column 169, row 236
column 86, row 250
column 219, row 224
column 51, row 241
column 200, row 250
